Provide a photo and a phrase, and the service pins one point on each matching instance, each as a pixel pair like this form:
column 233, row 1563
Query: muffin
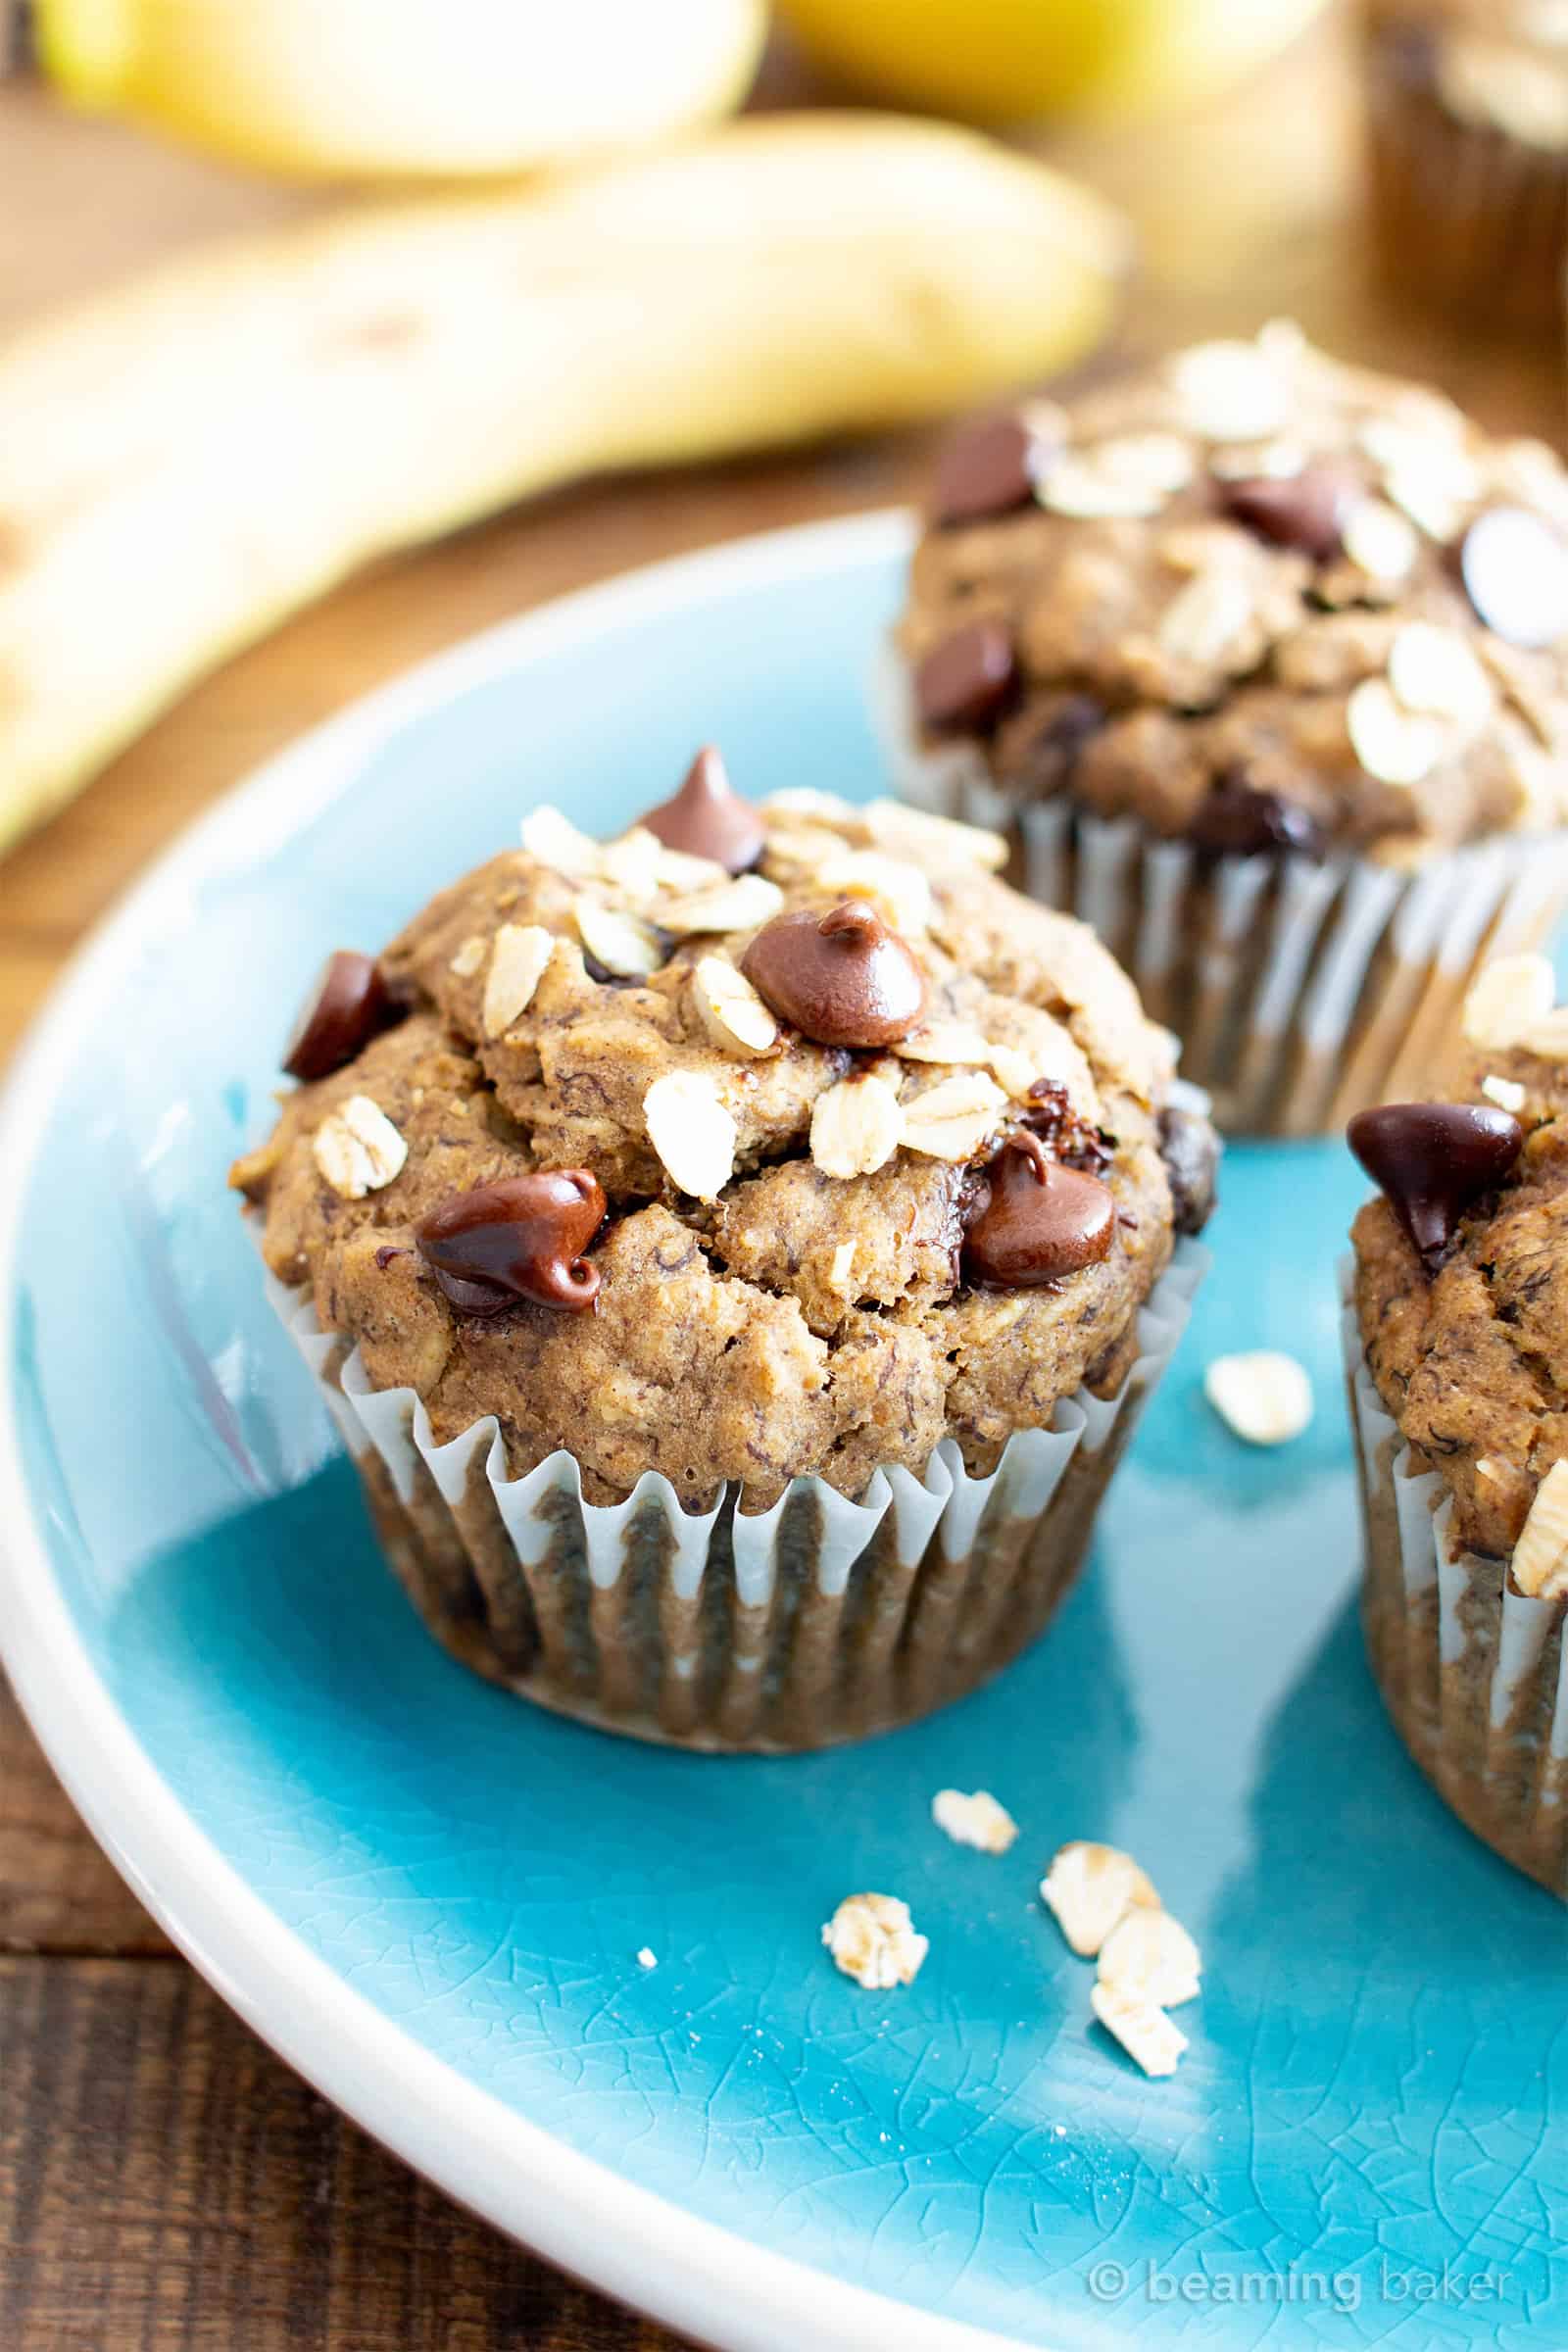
column 1262, row 665
column 737, row 1256
column 1457, row 1341
column 1467, row 149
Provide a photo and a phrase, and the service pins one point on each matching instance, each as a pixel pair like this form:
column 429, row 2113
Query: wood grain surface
column 165, row 2183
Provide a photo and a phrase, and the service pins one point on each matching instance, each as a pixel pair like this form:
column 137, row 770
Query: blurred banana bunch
column 186, row 460
column 405, row 89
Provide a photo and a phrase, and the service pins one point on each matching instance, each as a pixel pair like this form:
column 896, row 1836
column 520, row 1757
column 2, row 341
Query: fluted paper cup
column 817, row 1621
column 1301, row 990
column 1472, row 1672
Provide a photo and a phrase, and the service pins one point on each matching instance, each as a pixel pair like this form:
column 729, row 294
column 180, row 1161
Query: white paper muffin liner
column 817, row 1621
column 1473, row 1673
column 1301, row 990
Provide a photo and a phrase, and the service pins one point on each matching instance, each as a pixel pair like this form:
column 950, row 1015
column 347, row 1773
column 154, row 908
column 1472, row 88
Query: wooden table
column 165, row 2182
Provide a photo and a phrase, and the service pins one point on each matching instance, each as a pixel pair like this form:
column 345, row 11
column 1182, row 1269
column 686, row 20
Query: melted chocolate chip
column 349, row 1007
column 1305, row 510
column 706, row 818
column 1065, row 1131
column 1431, row 1160
column 988, row 467
column 1235, row 821
column 1190, row 1150
column 1515, row 571
column 1033, row 1221
column 966, row 680
column 841, row 978
column 522, row 1238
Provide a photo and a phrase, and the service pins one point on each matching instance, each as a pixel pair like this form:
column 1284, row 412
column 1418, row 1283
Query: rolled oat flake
column 1515, row 571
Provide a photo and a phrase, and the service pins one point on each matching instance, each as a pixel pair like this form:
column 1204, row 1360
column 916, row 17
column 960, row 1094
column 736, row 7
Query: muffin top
column 757, row 1142
column 1461, row 1273
column 1256, row 598
column 1499, row 63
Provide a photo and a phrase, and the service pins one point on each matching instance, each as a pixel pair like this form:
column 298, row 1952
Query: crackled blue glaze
column 1379, row 2071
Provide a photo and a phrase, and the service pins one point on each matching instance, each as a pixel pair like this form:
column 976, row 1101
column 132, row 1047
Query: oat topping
column 518, row 955
column 1539, row 1562
column 1264, row 1395
column 872, row 1938
column 623, row 943
column 856, row 1127
column 956, row 1118
column 730, row 1009
column 1253, row 569
column 357, row 1148
column 692, row 1132
column 977, row 1820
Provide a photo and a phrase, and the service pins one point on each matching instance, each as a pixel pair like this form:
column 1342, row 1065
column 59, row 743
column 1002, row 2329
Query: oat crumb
column 872, row 1938
column 977, row 1820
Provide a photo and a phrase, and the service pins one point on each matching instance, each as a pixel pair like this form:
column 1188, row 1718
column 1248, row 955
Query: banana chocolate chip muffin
column 1467, row 143
column 738, row 1252
column 1457, row 1350
column 1263, row 662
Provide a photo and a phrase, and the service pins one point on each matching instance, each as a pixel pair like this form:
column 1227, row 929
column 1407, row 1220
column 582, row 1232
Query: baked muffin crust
column 779, row 1320
column 1252, row 571
column 1471, row 1359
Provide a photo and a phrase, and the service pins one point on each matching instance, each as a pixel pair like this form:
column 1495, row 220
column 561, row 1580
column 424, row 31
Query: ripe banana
column 405, row 88
column 185, row 463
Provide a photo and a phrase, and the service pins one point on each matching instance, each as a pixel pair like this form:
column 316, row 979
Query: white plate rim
column 631, row 2242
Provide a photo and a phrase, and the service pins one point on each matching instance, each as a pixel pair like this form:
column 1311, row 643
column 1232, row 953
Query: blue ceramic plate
column 430, row 1897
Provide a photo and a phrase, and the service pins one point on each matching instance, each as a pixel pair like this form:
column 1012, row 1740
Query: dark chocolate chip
column 1190, row 1149
column 1515, row 571
column 966, row 680
column 522, row 1237
column 1043, row 754
column 349, row 1007
column 1235, row 821
column 841, row 978
column 1305, row 510
column 706, row 818
column 1431, row 1160
column 988, row 467
column 1034, row 1221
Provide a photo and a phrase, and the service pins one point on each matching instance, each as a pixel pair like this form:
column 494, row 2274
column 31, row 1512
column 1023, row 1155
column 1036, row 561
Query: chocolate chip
column 1515, row 571
column 522, row 1237
column 1305, row 510
column 1033, row 1220
column 1041, row 748
column 349, row 1007
column 706, row 818
column 965, row 681
column 1431, row 1160
column 1065, row 1131
column 1190, row 1150
column 841, row 978
column 986, row 468
column 1235, row 821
